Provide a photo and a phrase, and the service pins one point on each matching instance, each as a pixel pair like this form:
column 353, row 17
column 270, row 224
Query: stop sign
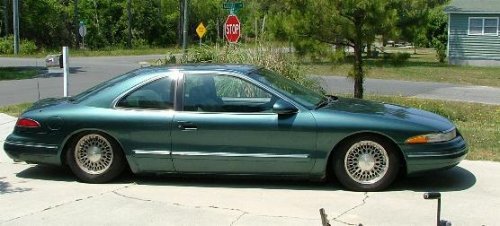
column 232, row 28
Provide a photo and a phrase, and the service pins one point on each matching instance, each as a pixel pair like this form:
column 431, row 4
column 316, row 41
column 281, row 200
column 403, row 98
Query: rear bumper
column 438, row 156
column 20, row 149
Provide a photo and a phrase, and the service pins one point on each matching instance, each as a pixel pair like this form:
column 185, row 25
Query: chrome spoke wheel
column 93, row 154
column 366, row 162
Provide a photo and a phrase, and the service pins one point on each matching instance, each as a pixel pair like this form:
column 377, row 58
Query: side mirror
column 282, row 107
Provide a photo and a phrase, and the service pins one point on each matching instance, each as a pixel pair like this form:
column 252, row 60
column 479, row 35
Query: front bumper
column 429, row 157
column 22, row 149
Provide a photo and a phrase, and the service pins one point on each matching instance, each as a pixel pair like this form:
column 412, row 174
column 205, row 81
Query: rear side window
column 154, row 95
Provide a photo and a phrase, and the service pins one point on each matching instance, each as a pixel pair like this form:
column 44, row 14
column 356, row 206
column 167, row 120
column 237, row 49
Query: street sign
column 232, row 29
column 201, row 30
column 82, row 30
column 233, row 7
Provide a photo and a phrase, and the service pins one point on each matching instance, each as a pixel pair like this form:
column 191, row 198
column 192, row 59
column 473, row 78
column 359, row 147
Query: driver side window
column 225, row 93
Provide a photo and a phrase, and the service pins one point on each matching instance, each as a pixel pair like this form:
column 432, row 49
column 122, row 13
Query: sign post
column 201, row 30
column 83, row 32
column 65, row 70
column 232, row 29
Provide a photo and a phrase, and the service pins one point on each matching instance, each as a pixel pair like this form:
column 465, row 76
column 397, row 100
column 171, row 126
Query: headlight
column 433, row 137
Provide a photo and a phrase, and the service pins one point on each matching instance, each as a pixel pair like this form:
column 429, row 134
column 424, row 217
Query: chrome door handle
column 186, row 126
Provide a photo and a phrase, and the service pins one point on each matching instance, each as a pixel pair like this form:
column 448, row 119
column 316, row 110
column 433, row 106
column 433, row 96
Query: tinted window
column 154, row 95
column 224, row 93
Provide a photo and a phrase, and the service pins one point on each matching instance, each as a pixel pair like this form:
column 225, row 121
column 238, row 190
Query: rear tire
column 366, row 163
column 94, row 157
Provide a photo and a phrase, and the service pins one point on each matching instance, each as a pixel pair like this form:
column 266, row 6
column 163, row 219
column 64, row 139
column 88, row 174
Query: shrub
column 28, row 47
column 397, row 59
column 440, row 50
column 7, row 45
column 265, row 56
column 25, row 47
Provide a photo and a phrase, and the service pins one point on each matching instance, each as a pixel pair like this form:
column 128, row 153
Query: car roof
column 241, row 68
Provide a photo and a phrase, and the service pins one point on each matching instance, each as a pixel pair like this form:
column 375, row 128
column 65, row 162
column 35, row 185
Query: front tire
column 366, row 163
column 95, row 158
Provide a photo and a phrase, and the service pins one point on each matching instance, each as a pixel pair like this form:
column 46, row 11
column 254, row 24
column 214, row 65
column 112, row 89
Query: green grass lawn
column 14, row 110
column 13, row 73
column 422, row 66
column 479, row 123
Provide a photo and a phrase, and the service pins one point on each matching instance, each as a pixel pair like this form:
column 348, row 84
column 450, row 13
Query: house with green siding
column 473, row 37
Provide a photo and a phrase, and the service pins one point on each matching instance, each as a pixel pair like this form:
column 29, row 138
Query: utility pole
column 77, row 25
column 129, row 13
column 6, row 17
column 184, row 26
column 15, row 14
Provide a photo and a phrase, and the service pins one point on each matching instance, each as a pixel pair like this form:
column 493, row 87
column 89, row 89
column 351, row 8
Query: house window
column 483, row 26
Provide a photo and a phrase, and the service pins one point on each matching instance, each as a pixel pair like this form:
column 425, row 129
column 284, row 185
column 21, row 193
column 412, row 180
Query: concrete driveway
column 41, row 195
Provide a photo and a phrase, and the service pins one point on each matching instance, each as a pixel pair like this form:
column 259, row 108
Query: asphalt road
column 89, row 71
column 41, row 195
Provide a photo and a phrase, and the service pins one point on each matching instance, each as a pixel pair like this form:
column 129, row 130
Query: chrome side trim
column 228, row 154
column 435, row 155
column 34, row 145
column 151, row 152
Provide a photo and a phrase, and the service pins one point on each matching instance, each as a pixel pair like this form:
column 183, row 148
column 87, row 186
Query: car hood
column 377, row 110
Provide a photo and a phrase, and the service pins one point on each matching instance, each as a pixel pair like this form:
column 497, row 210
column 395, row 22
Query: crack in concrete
column 336, row 218
column 243, row 212
column 238, row 218
column 65, row 203
column 5, row 123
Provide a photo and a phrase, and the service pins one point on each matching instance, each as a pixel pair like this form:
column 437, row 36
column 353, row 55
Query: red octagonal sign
column 232, row 28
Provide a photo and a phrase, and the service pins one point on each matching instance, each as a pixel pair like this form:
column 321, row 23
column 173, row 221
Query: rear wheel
column 95, row 158
column 366, row 163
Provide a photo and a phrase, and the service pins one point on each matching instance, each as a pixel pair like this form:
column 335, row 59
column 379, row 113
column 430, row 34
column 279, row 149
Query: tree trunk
column 358, row 70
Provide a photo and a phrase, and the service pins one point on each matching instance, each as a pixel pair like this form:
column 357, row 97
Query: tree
column 353, row 23
column 412, row 21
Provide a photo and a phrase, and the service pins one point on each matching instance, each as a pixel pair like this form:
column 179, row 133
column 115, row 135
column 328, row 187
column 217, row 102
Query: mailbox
column 54, row 60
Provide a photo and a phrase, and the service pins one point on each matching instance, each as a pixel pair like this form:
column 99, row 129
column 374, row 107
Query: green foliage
column 397, row 59
column 7, row 46
column 440, row 50
column 264, row 56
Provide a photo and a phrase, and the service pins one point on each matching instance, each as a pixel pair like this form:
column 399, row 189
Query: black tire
column 94, row 157
column 356, row 158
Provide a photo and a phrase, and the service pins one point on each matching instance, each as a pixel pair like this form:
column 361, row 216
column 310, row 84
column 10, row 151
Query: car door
column 147, row 112
column 227, row 126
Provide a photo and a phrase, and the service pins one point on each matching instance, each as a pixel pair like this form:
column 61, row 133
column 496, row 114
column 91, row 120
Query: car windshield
column 305, row 96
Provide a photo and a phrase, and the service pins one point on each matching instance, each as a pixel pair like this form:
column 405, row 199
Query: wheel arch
column 329, row 167
column 71, row 138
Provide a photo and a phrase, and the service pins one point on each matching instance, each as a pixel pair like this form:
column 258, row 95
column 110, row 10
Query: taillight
column 27, row 123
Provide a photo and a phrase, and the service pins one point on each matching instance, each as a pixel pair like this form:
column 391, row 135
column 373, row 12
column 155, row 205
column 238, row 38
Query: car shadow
column 46, row 172
column 46, row 73
column 455, row 179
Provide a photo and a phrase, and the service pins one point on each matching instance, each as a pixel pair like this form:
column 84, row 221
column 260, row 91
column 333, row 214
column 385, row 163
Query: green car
column 231, row 120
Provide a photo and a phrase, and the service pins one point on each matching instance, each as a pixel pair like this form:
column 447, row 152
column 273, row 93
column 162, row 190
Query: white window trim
column 482, row 31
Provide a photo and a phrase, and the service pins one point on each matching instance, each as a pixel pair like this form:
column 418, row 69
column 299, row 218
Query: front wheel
column 95, row 158
column 366, row 163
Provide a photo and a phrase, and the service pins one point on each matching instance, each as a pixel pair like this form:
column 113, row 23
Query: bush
column 25, row 47
column 440, row 50
column 397, row 59
column 265, row 56
column 7, row 45
column 28, row 47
